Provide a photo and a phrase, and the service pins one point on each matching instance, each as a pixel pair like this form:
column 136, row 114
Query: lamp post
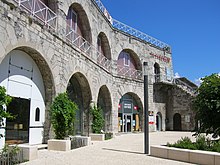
column 146, row 123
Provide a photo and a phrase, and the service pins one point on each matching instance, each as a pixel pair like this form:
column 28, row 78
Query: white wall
column 21, row 77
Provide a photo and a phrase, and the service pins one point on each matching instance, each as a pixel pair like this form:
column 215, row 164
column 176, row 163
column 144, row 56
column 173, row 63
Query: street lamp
column 146, row 123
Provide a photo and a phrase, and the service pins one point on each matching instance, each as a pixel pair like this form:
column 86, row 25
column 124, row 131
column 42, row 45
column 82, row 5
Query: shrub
column 62, row 113
column 202, row 143
column 4, row 101
column 185, row 143
column 98, row 120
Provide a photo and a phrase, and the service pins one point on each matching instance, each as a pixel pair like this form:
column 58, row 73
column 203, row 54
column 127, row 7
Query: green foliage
column 185, row 143
column 207, row 105
column 98, row 120
column 202, row 143
column 63, row 112
column 4, row 101
column 9, row 155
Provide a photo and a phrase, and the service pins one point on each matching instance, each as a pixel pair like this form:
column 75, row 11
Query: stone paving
column 124, row 149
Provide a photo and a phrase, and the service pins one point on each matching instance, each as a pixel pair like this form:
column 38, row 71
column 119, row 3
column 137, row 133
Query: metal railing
column 77, row 40
column 136, row 33
column 184, row 86
column 9, row 158
column 129, row 72
column 104, row 61
column 39, row 10
column 129, row 30
column 162, row 78
column 157, row 78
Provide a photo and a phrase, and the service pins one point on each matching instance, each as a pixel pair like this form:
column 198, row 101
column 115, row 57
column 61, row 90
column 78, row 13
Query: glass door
column 127, row 122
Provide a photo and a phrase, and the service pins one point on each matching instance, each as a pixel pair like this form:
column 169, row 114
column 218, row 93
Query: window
column 72, row 20
column 99, row 44
column 37, row 114
column 126, row 59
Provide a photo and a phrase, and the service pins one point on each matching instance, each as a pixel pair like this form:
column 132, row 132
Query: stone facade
column 65, row 65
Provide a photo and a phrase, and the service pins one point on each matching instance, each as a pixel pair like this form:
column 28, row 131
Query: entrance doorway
column 159, row 121
column 17, row 129
column 177, row 122
column 127, row 122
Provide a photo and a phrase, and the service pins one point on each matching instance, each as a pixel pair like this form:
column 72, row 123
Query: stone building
column 52, row 46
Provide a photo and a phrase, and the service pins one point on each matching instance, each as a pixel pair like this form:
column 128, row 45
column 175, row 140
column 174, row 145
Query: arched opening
column 159, row 121
column 28, row 80
column 103, row 45
column 104, row 101
column 78, row 25
column 157, row 72
column 104, row 51
column 129, row 65
column 177, row 126
column 130, row 113
column 78, row 90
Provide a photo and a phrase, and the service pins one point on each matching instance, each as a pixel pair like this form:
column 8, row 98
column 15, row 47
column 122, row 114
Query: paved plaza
column 124, row 149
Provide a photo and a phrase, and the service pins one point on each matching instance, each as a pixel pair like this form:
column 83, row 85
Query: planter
column 59, row 145
column 186, row 155
column 97, row 137
column 80, row 141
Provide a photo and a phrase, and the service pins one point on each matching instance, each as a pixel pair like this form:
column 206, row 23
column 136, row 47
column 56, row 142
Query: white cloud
column 176, row 75
column 198, row 81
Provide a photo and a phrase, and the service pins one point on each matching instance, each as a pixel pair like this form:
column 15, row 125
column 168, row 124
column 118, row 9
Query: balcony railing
column 129, row 72
column 103, row 61
column 39, row 10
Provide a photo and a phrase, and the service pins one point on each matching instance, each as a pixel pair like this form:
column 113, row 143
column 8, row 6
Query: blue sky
column 191, row 27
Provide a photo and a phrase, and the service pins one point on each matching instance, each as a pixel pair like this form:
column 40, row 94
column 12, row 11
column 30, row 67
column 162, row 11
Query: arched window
column 37, row 114
column 157, row 72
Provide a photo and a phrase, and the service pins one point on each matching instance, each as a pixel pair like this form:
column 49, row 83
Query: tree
column 98, row 120
column 207, row 106
column 4, row 101
column 63, row 112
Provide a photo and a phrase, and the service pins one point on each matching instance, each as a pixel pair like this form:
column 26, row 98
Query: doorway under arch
column 104, row 101
column 29, row 81
column 159, row 121
column 130, row 113
column 177, row 126
column 78, row 90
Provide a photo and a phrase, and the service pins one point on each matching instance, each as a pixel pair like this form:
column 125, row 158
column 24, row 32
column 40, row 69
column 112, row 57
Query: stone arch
column 83, row 25
column 104, row 45
column 157, row 72
column 26, row 65
column 78, row 90
column 130, row 104
column 104, row 101
column 159, row 121
column 177, row 125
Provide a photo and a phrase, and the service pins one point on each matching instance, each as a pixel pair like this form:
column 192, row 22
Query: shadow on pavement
column 132, row 152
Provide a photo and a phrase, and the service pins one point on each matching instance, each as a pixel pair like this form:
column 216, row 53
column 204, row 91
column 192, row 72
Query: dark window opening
column 37, row 114
column 17, row 129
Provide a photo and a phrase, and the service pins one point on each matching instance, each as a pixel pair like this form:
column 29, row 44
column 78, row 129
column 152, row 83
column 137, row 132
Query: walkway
column 124, row 149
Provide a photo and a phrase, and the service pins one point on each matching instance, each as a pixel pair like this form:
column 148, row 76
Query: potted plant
column 62, row 112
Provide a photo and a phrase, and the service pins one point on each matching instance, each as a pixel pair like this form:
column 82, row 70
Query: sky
column 190, row 27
